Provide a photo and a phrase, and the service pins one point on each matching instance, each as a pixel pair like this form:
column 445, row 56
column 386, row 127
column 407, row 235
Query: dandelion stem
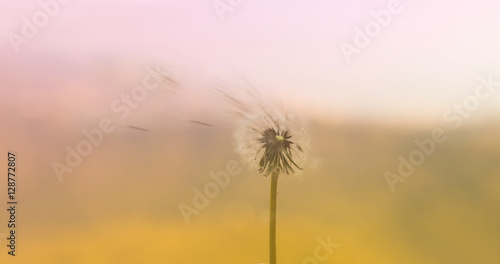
column 272, row 222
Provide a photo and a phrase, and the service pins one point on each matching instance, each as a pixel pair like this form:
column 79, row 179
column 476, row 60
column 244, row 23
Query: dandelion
column 273, row 141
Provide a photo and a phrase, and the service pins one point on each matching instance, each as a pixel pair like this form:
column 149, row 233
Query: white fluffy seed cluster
column 267, row 135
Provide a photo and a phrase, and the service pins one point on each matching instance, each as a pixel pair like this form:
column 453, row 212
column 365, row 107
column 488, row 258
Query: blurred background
column 121, row 203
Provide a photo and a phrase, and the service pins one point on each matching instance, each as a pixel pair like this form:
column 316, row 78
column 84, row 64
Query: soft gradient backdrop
column 121, row 204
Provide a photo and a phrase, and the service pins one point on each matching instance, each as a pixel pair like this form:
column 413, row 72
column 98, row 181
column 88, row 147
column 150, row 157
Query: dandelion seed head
column 272, row 141
column 268, row 138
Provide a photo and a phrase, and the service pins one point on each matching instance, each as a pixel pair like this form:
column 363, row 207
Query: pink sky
column 428, row 58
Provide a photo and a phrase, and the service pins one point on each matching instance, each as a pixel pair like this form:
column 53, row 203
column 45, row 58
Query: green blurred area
column 122, row 204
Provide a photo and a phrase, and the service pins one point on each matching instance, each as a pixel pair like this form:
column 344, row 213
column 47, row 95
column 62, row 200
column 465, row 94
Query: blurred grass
column 121, row 204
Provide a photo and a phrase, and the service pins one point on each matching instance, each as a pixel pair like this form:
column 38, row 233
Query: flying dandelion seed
column 273, row 141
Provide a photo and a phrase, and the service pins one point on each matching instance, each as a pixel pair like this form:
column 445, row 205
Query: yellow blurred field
column 121, row 204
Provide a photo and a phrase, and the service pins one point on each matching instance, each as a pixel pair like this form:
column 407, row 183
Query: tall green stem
column 272, row 222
